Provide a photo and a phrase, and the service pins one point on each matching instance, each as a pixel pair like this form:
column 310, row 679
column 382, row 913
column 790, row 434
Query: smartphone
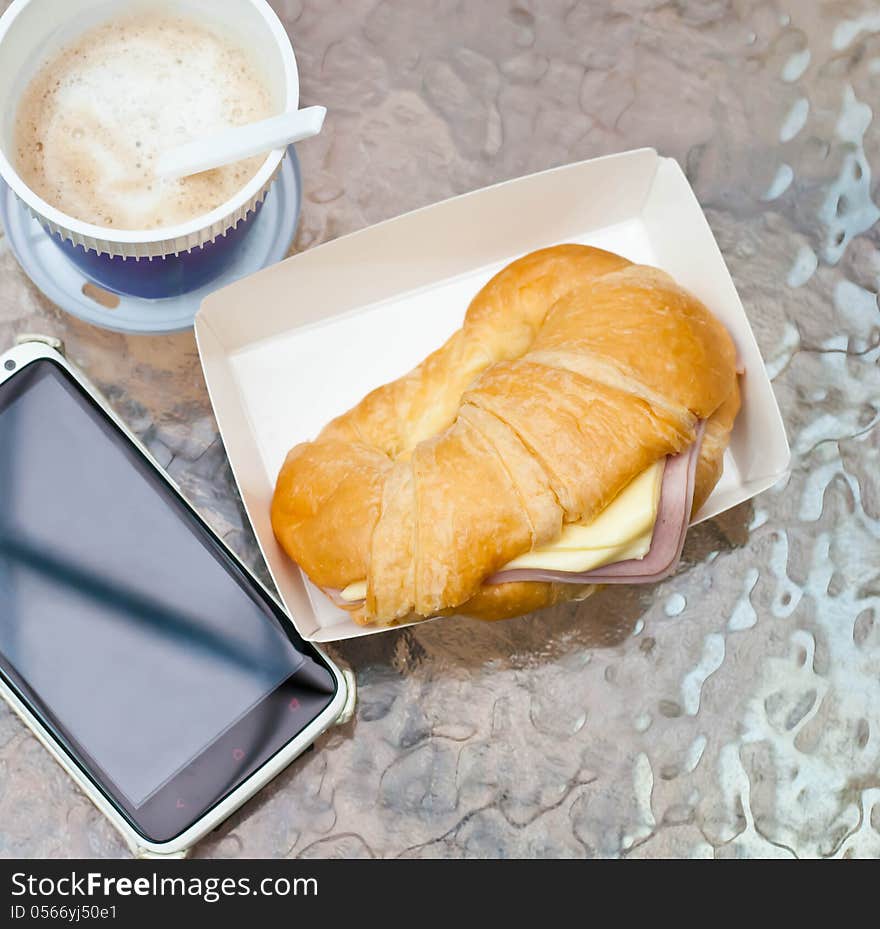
column 144, row 655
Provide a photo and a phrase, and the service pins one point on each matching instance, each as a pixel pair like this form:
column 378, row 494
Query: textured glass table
column 733, row 710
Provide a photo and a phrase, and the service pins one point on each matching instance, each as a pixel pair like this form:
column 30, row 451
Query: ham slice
column 667, row 542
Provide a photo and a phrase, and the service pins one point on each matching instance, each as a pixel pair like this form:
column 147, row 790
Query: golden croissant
column 577, row 419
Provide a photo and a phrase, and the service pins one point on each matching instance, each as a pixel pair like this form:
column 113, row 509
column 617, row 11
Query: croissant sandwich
column 561, row 439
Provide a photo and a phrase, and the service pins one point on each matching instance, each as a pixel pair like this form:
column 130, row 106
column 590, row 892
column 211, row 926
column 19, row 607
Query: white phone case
column 30, row 348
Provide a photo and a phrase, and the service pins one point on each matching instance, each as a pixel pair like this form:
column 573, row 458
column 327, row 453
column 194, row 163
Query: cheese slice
column 623, row 530
column 576, row 560
column 354, row 591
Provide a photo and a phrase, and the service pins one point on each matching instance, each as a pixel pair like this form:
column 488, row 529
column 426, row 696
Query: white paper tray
column 287, row 349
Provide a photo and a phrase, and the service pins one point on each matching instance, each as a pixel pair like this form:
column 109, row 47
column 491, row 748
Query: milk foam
column 93, row 121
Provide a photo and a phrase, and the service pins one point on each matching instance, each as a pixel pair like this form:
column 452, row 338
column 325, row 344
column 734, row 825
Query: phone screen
column 134, row 635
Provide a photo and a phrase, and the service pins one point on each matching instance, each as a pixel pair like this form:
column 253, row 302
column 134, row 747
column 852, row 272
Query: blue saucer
column 60, row 280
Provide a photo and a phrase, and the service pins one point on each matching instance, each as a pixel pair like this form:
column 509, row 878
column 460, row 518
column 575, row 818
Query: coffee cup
column 146, row 262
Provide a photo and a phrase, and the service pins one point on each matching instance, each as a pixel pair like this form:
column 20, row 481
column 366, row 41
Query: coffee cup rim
column 246, row 197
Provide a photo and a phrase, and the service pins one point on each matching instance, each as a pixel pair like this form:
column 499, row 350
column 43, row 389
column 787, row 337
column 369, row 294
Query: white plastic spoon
column 231, row 145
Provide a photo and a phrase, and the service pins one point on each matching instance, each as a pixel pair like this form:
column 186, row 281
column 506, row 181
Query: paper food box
column 287, row 349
